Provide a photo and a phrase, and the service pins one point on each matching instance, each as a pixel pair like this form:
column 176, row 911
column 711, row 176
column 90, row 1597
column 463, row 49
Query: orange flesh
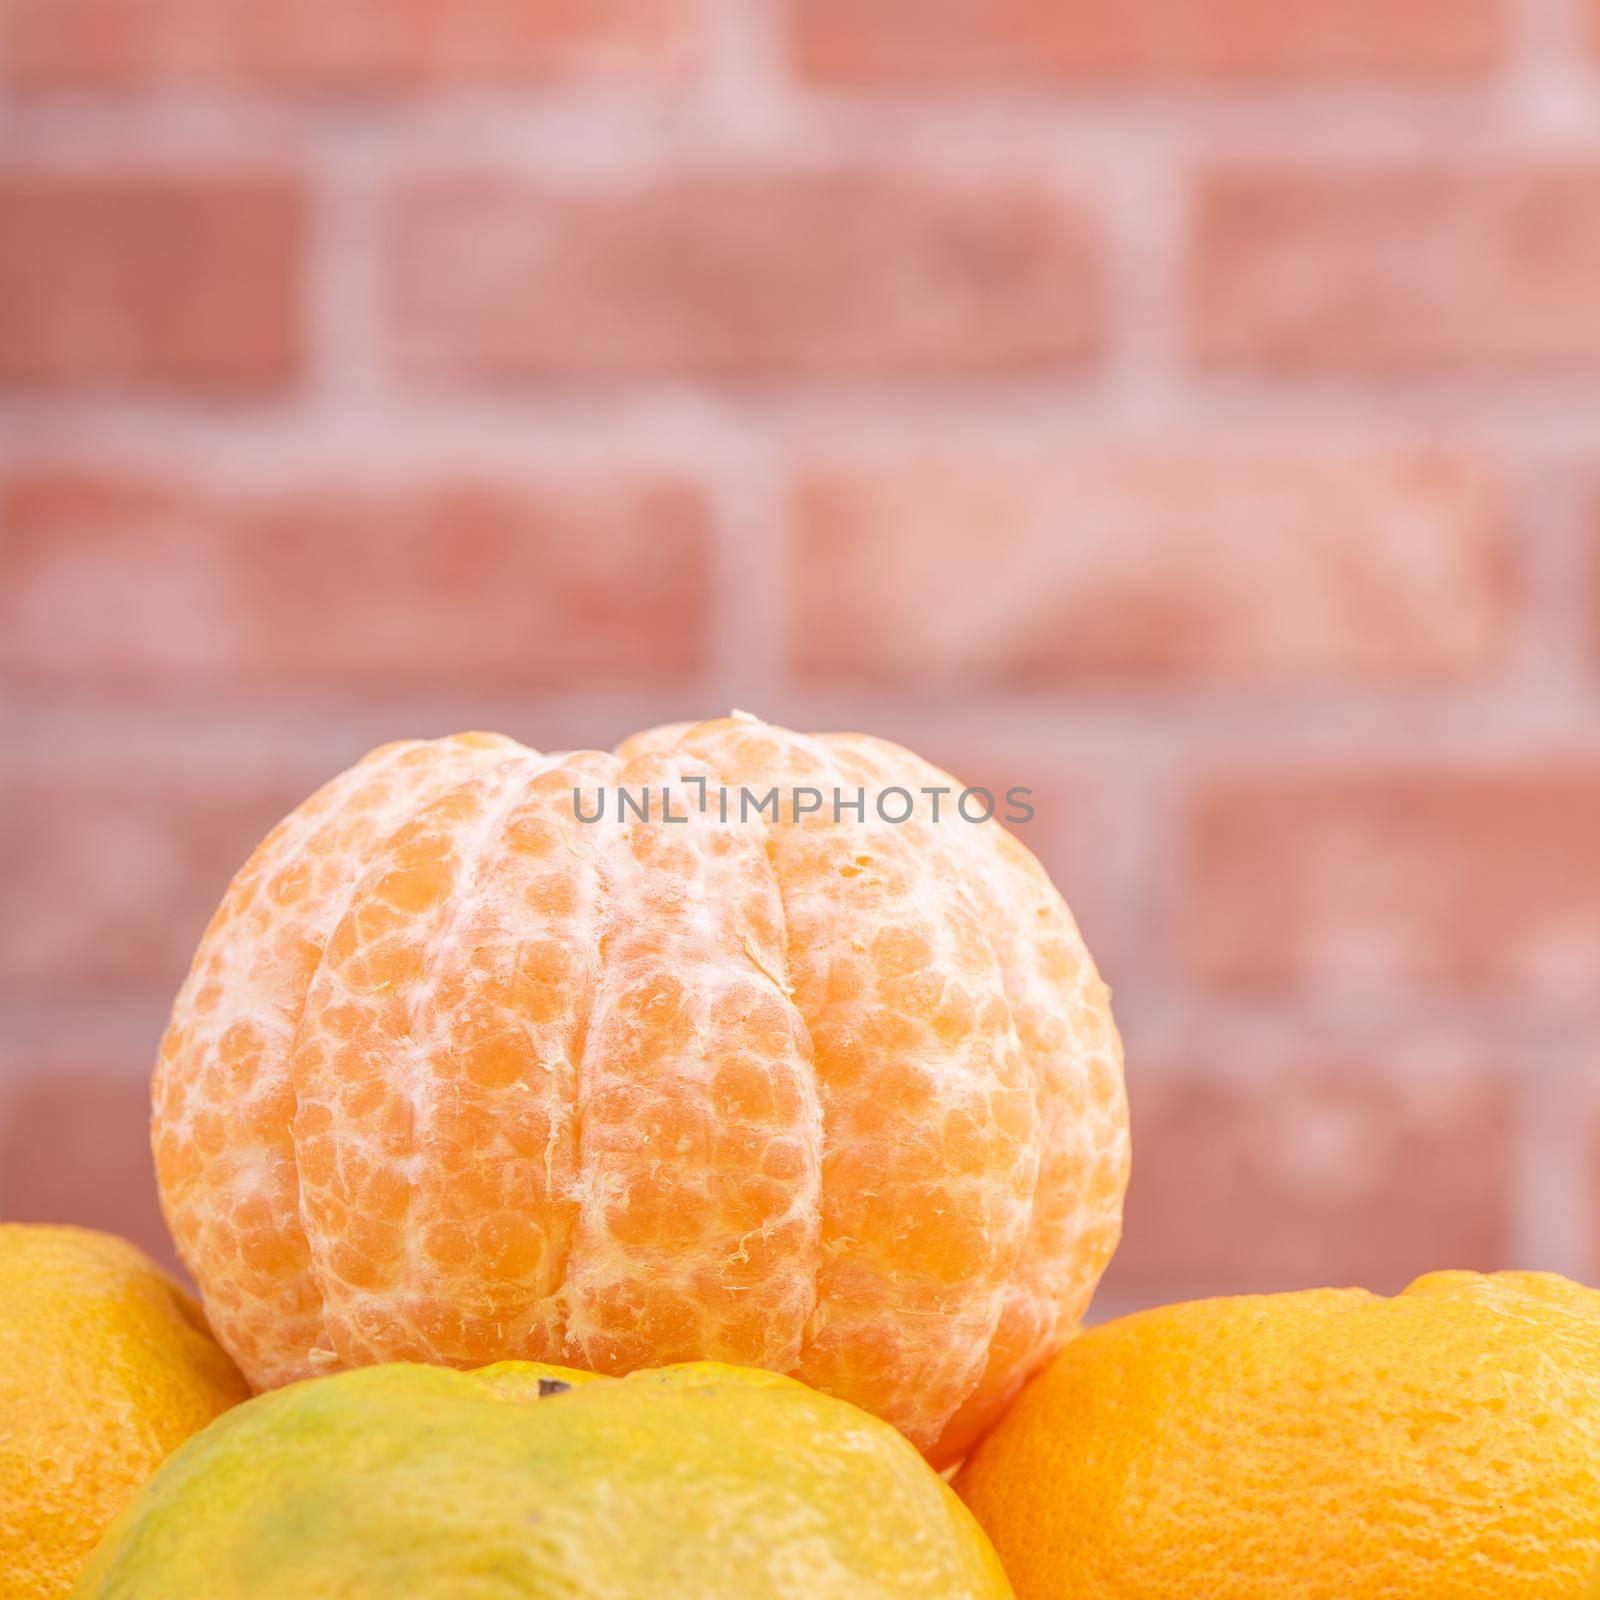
column 458, row 1077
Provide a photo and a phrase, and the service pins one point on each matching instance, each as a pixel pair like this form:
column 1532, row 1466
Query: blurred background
column 1189, row 409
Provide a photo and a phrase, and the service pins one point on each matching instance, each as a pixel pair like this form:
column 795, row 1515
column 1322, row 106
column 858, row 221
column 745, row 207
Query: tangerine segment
column 223, row 1102
column 436, row 1073
column 702, row 1131
column 1065, row 1023
column 1062, row 1014
column 929, row 1162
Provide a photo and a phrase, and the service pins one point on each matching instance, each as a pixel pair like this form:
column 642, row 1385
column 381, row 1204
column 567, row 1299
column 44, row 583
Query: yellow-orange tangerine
column 1326, row 1445
column 459, row 1077
column 105, row 1368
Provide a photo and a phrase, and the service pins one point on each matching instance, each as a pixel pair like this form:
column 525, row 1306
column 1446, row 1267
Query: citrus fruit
column 1330, row 1445
column 459, row 1076
column 105, row 1366
column 693, row 1483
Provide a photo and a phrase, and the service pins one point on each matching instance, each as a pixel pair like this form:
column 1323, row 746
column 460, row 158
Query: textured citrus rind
column 105, row 1367
column 1326, row 1445
column 697, row 1482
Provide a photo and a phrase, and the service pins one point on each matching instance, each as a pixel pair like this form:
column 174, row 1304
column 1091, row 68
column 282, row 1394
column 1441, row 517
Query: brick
column 1178, row 565
column 960, row 42
column 149, row 279
column 148, row 582
column 1591, row 567
column 330, row 45
column 75, row 1148
column 742, row 276
column 1474, row 880
column 1587, row 1152
column 1371, row 271
column 1300, row 1171
column 114, row 864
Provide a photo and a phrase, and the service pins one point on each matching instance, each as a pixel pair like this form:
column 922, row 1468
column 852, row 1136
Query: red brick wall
column 1188, row 408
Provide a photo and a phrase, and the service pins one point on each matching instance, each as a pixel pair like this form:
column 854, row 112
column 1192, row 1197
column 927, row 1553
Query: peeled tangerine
column 458, row 1077
column 696, row 1483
